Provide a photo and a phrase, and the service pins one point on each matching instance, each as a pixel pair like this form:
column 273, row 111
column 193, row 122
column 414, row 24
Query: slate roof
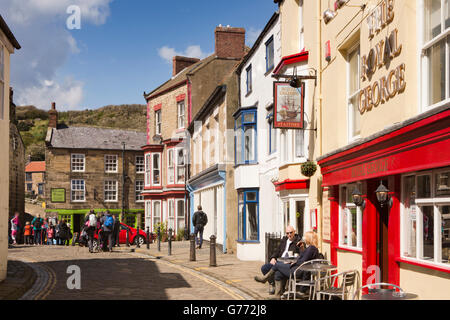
column 4, row 27
column 35, row 166
column 96, row 138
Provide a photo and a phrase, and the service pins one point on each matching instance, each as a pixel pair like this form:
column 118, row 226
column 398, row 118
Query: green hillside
column 32, row 123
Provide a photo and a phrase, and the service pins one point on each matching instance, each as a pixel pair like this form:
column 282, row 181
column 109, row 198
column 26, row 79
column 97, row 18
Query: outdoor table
column 316, row 269
column 288, row 260
column 387, row 294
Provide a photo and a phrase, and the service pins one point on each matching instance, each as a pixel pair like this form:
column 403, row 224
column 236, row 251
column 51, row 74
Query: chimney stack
column 230, row 42
column 179, row 63
column 53, row 117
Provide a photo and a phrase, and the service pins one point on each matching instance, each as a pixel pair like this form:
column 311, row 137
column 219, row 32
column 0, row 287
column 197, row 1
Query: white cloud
column 40, row 28
column 252, row 35
column 68, row 95
column 194, row 51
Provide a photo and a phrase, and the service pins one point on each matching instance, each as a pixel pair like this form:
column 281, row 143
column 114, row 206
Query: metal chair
column 356, row 295
column 349, row 280
column 294, row 282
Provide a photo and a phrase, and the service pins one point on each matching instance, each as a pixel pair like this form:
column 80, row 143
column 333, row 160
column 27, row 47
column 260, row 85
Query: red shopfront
column 421, row 143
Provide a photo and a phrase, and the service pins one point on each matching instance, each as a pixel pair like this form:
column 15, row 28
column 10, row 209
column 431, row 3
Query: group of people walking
column 106, row 226
column 40, row 231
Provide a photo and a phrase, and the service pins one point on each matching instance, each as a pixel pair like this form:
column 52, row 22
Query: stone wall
column 16, row 173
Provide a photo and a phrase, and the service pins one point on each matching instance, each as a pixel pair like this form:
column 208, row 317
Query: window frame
column 443, row 36
column 72, row 190
column 158, row 122
column 273, row 136
column 244, row 212
column 116, row 163
column 241, row 131
column 177, row 216
column 347, row 206
column 178, row 166
column 148, row 169
column 140, row 164
column 181, row 116
column 154, row 202
column 270, row 64
column 139, row 197
column 351, row 95
column 116, row 196
column 154, row 154
column 171, row 168
column 434, row 201
column 72, row 163
column 249, row 80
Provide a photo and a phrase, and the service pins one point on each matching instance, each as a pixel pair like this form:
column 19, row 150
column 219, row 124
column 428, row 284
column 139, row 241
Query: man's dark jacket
column 200, row 219
column 310, row 253
column 292, row 247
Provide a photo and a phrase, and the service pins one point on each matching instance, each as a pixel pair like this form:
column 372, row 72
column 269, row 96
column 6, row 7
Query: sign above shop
column 288, row 105
column 58, row 195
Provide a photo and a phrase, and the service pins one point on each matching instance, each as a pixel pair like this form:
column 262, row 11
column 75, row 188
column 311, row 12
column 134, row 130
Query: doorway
column 382, row 236
column 300, row 217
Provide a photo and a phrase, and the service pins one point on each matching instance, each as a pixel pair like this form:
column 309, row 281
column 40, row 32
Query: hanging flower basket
column 308, row 168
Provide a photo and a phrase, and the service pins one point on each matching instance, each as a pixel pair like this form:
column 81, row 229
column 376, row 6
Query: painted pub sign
column 288, row 106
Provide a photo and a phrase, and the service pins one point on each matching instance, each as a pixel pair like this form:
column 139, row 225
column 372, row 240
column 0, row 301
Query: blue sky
column 123, row 47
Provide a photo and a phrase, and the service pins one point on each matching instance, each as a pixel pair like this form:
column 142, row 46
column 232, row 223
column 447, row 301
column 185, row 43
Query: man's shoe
column 272, row 289
column 279, row 289
column 264, row 279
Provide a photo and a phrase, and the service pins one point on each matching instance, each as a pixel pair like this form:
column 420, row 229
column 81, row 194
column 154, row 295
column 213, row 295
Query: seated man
column 282, row 271
column 288, row 243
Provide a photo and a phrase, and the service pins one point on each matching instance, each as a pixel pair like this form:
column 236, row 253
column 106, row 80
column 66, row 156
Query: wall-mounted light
column 328, row 15
column 382, row 194
column 339, row 4
column 358, row 198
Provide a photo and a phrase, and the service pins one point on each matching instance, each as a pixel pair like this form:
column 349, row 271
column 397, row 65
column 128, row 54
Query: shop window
column 353, row 84
column 245, row 137
column 436, row 53
column 426, row 217
column 350, row 219
column 248, row 215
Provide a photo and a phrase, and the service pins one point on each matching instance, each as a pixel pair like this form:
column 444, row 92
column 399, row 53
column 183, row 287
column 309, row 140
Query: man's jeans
column 37, row 236
column 198, row 240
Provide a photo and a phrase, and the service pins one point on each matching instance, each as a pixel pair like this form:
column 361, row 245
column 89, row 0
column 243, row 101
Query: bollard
column 192, row 251
column 128, row 237
column 148, row 238
column 138, row 236
column 159, row 238
column 212, row 251
column 170, row 242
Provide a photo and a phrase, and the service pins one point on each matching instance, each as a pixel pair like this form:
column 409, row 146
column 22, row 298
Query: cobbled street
column 116, row 275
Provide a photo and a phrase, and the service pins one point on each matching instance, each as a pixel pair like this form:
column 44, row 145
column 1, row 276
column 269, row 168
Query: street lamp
column 382, row 194
column 357, row 198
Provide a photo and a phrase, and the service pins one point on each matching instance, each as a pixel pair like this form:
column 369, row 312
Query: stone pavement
column 229, row 269
column 19, row 279
column 126, row 275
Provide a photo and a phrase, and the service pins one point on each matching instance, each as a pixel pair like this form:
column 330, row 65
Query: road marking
column 233, row 281
column 50, row 285
column 201, row 268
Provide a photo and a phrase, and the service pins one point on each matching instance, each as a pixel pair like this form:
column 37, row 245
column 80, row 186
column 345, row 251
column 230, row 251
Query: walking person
column 63, row 232
column 50, row 234
column 107, row 228
column 37, row 226
column 44, row 231
column 15, row 225
column 90, row 227
column 116, row 231
column 200, row 219
column 27, row 231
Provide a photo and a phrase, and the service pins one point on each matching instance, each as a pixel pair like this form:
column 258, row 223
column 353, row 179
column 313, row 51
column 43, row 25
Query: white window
column 170, row 167
column 156, row 215
column 436, row 53
column 138, row 188
column 77, row 191
column 158, row 122
column 180, row 215
column 77, row 162
column 148, row 165
column 111, row 163
column 140, row 164
column 425, row 221
column 180, row 166
column 171, row 214
column 156, row 169
column 299, row 143
column 350, row 219
column 148, row 215
column 110, row 191
column 272, row 135
column 181, row 111
column 2, row 81
column 353, row 86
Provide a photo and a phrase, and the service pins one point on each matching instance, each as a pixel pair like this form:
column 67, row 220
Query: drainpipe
column 319, row 56
column 123, row 182
column 223, row 175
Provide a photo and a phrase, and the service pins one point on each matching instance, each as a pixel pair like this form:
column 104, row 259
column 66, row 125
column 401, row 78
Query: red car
column 133, row 237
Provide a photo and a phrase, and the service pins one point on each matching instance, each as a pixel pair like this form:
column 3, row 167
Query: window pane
column 428, row 235
column 287, row 215
column 252, row 221
column 432, row 19
column 436, row 72
column 353, row 61
column 443, row 184
column 251, row 196
column 239, row 121
column 180, row 209
column 238, row 146
column 355, row 116
column 156, row 213
column 241, row 221
column 299, row 143
column 156, row 171
column 249, row 117
column 409, row 222
column 345, row 235
column 249, row 136
column 445, row 218
column 423, row 187
column 353, row 220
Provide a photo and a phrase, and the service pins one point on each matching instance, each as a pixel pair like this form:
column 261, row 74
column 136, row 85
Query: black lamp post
column 382, row 194
column 357, row 197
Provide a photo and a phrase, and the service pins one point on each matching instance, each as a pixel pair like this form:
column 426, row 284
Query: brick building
column 93, row 168
column 170, row 109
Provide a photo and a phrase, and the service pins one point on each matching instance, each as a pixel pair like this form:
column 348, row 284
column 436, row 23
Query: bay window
column 156, row 169
column 156, row 215
column 170, row 167
column 350, row 219
column 180, row 215
column 148, row 165
column 245, row 137
column 436, row 53
column 425, row 218
column 248, row 215
column 180, row 166
column 171, row 214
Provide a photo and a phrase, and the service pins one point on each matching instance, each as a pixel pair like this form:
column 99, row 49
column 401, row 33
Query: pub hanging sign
column 288, row 106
